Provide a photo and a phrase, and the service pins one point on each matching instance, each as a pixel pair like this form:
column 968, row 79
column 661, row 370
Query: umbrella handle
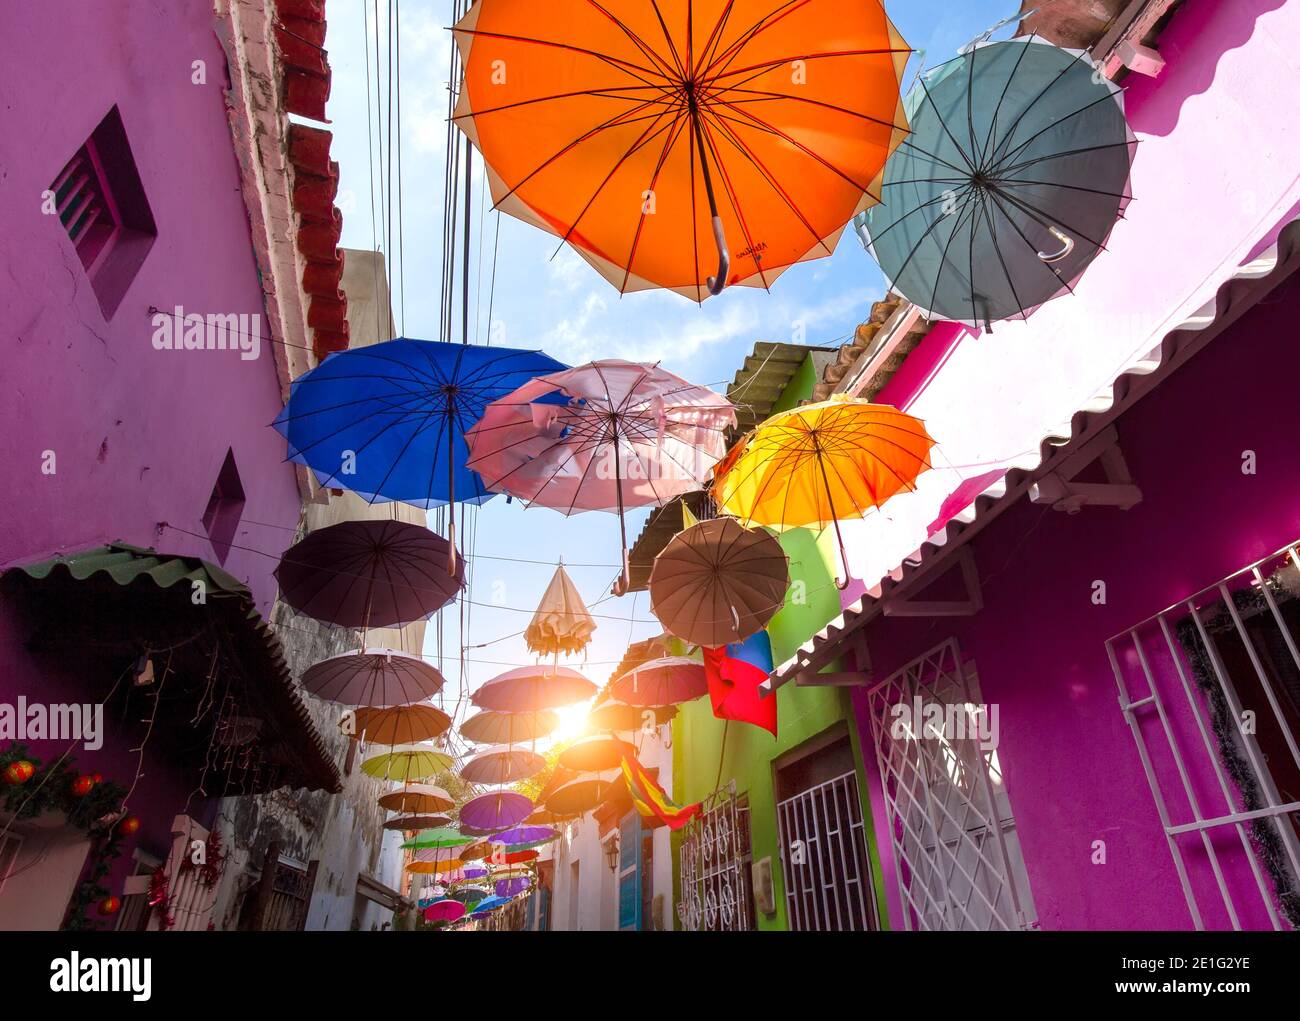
column 1067, row 243
column 717, row 283
column 624, row 582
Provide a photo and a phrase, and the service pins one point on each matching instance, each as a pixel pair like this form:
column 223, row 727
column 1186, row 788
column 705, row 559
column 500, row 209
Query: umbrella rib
column 673, row 134
column 679, row 67
column 746, row 151
column 732, row 196
column 944, row 124
column 1047, row 266
column 1017, row 168
column 640, row 43
column 997, row 110
column 743, row 40
column 762, row 96
column 931, row 157
column 1042, row 218
column 626, row 66
column 618, row 120
column 1106, row 97
column 603, row 92
column 1015, row 125
column 877, row 235
column 1021, row 183
column 768, row 65
column 709, row 50
column 1006, row 272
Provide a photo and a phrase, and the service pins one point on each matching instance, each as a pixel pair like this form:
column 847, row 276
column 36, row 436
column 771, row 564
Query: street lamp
column 611, row 852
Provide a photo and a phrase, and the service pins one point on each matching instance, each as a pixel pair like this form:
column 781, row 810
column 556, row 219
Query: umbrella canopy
column 545, row 817
column 664, row 681
column 526, row 835
column 611, row 715
column 585, row 793
column 818, row 463
column 407, row 762
column 718, row 582
column 487, row 904
column 413, row 823
column 367, row 574
column 495, row 810
column 1016, row 171
column 377, row 677
column 512, row 887
column 448, row 870
column 608, row 435
column 591, row 755
column 757, row 129
column 476, row 852
column 444, row 911
column 388, row 421
column 502, row 764
column 531, row 688
column 440, row 837
column 562, row 623
column 508, row 728
column 469, row 895
column 396, row 725
column 417, row 797
column 522, row 856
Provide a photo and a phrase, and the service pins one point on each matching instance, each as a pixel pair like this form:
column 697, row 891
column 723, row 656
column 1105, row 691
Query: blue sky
column 558, row 303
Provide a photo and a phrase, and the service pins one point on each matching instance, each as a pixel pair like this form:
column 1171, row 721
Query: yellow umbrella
column 407, row 762
column 821, row 463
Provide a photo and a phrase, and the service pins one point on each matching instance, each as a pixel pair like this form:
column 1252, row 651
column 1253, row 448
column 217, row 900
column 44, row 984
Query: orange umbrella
column 648, row 134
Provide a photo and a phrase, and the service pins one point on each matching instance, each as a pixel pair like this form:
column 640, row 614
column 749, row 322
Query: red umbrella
column 368, row 574
column 660, row 682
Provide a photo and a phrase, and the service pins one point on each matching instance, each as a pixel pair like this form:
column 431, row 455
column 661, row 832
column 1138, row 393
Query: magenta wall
column 139, row 434
column 1070, row 761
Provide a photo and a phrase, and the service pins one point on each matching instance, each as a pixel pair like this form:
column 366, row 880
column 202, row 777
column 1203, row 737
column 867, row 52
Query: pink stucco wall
column 1215, row 173
column 139, row 434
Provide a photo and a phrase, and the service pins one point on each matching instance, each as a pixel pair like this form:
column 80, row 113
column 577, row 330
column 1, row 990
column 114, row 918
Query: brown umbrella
column 502, row 764
column 402, row 724
column 368, row 574
column 718, row 582
column 585, row 793
column 418, row 797
column 613, row 715
column 593, row 754
column 374, row 677
column 562, row 623
column 489, row 727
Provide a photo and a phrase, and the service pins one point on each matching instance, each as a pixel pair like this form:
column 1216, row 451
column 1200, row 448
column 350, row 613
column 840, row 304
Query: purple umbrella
column 368, row 574
column 510, row 887
column 526, row 835
column 375, row 677
column 495, row 811
column 475, row 873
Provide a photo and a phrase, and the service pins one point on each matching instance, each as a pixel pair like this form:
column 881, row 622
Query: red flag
column 734, row 673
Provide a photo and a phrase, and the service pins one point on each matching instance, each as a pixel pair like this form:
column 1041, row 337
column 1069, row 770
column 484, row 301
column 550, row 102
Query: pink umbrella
column 374, row 677
column 607, row 435
column 531, row 688
column 502, row 764
column 495, row 811
column 664, row 681
column 368, row 574
column 444, row 911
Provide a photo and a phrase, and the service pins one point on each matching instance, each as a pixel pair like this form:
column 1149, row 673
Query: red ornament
column 110, row 905
column 83, row 785
column 98, row 778
column 129, row 825
column 18, row 773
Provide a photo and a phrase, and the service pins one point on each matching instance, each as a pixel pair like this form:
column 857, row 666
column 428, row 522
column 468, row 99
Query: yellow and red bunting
column 651, row 800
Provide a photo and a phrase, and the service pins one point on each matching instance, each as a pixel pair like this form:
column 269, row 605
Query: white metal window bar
column 828, row 885
column 716, row 895
column 1233, row 647
column 956, row 857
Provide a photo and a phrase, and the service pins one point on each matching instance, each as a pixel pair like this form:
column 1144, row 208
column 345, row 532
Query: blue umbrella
column 388, row 421
column 487, row 904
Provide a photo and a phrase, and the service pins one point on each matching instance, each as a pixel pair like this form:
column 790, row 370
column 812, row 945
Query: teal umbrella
column 1015, row 173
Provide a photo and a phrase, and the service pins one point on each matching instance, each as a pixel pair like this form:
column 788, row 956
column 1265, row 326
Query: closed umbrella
column 562, row 623
column 718, row 582
column 1016, row 170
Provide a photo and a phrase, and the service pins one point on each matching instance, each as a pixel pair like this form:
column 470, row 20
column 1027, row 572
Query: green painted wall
column 701, row 760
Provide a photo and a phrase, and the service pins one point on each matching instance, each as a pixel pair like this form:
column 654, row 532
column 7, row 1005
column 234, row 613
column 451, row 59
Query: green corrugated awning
column 225, row 623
